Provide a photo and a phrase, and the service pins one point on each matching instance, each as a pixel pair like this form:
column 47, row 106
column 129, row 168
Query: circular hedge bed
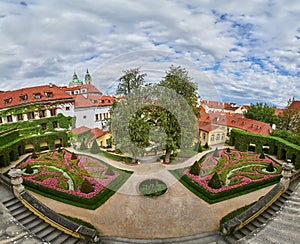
column 152, row 187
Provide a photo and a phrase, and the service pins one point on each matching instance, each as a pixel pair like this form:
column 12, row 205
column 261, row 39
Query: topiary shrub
column 228, row 150
column 195, row 168
column 262, row 155
column 216, row 153
column 95, row 148
column 73, row 156
column 34, row 155
column 59, row 150
column 270, row 167
column 199, row 148
column 214, row 182
column 83, row 146
column 86, row 187
column 110, row 172
column 206, row 146
column 28, row 169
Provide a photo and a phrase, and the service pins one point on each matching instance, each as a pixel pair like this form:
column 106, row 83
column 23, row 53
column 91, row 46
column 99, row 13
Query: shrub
column 199, row 147
column 28, row 169
column 59, row 150
column 216, row 153
column 109, row 171
column 270, row 167
column 83, row 146
column 206, row 146
column 214, row 182
column 74, row 156
column 34, row 155
column 95, row 148
column 228, row 150
column 262, row 155
column 195, row 168
column 86, row 186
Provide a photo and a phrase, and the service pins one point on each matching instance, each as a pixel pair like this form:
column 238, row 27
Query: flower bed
column 61, row 174
column 236, row 172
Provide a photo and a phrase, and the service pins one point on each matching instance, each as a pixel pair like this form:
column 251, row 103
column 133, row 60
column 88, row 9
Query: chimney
column 50, row 85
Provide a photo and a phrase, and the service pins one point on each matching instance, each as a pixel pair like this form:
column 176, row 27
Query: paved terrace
column 177, row 213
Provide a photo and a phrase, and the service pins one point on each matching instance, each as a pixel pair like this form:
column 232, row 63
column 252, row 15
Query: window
column 19, row 117
column 49, row 94
column 69, row 92
column 23, row 98
column 218, row 137
column 223, row 136
column 44, row 126
column 212, row 138
column 8, row 100
column 84, row 116
column 204, row 136
column 83, row 90
column 30, row 115
column 37, row 95
column 42, row 113
column 55, row 124
column 9, row 118
column 100, row 116
column 67, row 108
column 97, row 117
column 76, row 92
column 53, row 112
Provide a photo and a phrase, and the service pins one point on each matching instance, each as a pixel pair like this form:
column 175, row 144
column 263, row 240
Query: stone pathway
column 177, row 213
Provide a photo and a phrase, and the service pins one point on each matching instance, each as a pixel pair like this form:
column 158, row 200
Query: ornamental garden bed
column 79, row 180
column 224, row 174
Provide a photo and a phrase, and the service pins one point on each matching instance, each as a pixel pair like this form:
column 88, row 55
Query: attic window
column 76, row 92
column 37, row 95
column 49, row 94
column 233, row 121
column 69, row 92
column 23, row 98
column 83, row 90
column 8, row 100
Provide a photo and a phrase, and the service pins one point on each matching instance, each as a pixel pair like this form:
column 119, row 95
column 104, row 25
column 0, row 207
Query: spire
column 75, row 76
column 87, row 78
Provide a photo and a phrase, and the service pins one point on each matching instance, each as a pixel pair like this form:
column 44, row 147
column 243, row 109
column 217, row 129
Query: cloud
column 243, row 50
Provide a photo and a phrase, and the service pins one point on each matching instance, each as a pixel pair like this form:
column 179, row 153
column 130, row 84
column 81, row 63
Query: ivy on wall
column 277, row 146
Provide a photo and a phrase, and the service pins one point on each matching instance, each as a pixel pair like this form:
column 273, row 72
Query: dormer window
column 83, row 90
column 49, row 94
column 23, row 98
column 8, row 100
column 37, row 95
column 76, row 92
column 69, row 92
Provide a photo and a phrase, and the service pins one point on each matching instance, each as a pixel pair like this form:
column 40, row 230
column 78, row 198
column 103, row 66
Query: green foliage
column 262, row 155
column 214, row 182
column 216, row 153
column 195, row 168
column 34, row 155
column 86, row 187
column 109, row 171
column 228, row 150
column 83, row 146
column 270, row 167
column 95, row 148
column 262, row 112
column 73, row 156
column 131, row 81
column 206, row 145
column 28, row 169
column 152, row 187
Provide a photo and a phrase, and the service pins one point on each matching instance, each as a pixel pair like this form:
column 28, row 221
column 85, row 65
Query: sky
column 235, row 51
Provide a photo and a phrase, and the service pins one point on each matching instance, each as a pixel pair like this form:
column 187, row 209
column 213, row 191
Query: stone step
column 26, row 218
column 14, row 206
column 10, row 201
column 51, row 235
column 61, row 238
column 30, row 225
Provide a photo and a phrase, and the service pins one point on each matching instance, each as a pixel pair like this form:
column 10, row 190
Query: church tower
column 87, row 78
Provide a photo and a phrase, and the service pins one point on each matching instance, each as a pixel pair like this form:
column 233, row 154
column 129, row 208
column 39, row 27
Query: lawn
column 69, row 177
column 236, row 172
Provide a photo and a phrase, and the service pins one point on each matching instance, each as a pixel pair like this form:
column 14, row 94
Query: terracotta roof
column 82, row 102
column 278, row 111
column 35, row 94
column 80, row 130
column 96, row 133
column 220, row 105
column 90, row 89
column 207, row 126
column 295, row 105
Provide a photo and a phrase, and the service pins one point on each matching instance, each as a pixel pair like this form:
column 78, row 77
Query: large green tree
column 289, row 119
column 130, row 81
column 262, row 112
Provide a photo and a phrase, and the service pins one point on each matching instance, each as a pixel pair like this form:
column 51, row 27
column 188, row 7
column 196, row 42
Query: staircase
column 280, row 223
column 36, row 225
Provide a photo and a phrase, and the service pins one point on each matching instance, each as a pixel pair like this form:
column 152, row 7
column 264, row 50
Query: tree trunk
column 168, row 156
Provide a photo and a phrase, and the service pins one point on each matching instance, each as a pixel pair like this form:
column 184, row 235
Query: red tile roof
column 80, row 130
column 35, row 94
column 207, row 126
column 89, row 87
column 96, row 133
column 220, row 105
column 295, row 105
column 83, row 102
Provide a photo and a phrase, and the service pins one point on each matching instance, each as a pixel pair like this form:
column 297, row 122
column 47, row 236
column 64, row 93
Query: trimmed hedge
column 277, row 146
column 224, row 195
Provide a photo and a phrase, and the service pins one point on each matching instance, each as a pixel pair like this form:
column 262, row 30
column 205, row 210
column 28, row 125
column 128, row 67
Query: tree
column 83, row 146
column 86, row 187
column 177, row 79
column 95, row 148
column 262, row 155
column 216, row 153
column 130, row 81
column 195, row 168
column 289, row 119
column 262, row 112
column 214, row 182
column 270, row 167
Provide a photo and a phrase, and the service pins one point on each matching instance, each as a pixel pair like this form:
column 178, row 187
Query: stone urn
column 286, row 173
column 16, row 179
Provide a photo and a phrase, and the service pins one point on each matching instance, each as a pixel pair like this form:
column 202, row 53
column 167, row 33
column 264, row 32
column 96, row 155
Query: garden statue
column 16, row 180
column 287, row 168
